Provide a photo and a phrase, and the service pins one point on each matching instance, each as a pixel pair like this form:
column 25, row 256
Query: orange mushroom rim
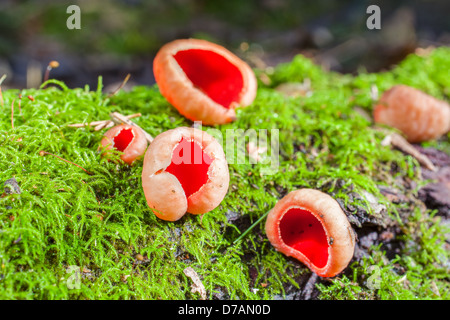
column 212, row 74
column 126, row 139
column 301, row 230
column 203, row 80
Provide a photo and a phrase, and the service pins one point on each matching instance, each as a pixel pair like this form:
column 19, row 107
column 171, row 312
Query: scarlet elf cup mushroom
column 310, row 226
column 418, row 115
column 203, row 81
column 185, row 170
column 128, row 139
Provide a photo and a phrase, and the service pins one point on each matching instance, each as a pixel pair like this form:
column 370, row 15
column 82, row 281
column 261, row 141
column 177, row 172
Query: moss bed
column 54, row 215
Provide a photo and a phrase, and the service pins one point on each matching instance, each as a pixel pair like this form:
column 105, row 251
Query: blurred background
column 118, row 37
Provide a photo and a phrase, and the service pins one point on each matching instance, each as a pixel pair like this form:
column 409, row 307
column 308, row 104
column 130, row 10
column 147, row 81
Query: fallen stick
column 98, row 124
column 400, row 143
column 116, row 118
column 119, row 119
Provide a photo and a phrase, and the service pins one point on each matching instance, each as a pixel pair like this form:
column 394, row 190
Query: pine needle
column 42, row 153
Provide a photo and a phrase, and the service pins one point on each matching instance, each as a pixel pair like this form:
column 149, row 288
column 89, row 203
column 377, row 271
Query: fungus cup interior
column 123, row 139
column 214, row 75
column 190, row 164
column 302, row 231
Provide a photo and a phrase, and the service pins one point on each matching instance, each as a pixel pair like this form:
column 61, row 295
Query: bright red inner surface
column 212, row 74
column 190, row 165
column 123, row 139
column 301, row 230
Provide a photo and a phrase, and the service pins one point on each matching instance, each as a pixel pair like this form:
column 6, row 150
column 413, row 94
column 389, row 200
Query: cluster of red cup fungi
column 185, row 169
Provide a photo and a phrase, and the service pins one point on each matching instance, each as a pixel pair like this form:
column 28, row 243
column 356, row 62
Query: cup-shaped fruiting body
column 310, row 226
column 203, row 81
column 128, row 139
column 185, row 170
column 418, row 115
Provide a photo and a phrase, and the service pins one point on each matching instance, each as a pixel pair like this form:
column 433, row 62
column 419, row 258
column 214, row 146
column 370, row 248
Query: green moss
column 421, row 272
column 66, row 217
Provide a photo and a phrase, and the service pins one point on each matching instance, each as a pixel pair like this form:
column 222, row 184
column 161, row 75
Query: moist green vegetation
column 62, row 216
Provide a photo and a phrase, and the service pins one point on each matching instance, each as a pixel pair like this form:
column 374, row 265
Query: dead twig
column 309, row 287
column 403, row 145
column 116, row 118
column 119, row 119
column 99, row 125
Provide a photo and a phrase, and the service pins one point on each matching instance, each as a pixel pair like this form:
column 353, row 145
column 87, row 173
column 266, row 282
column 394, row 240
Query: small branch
column 400, row 143
column 90, row 124
column 119, row 119
column 309, row 286
column 42, row 153
column 99, row 125
column 102, row 125
column 116, row 118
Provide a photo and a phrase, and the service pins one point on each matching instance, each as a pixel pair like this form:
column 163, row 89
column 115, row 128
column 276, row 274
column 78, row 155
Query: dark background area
column 118, row 37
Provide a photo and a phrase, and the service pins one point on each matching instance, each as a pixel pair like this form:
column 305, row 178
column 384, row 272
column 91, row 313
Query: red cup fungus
column 128, row 139
column 203, row 81
column 418, row 115
column 185, row 170
column 310, row 226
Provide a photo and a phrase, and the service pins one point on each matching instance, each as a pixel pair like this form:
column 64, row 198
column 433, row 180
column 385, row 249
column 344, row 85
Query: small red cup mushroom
column 418, row 115
column 185, row 170
column 203, row 81
column 128, row 139
column 310, row 226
